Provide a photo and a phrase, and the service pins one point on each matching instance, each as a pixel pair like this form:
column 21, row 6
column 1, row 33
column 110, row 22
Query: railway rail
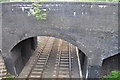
column 56, row 59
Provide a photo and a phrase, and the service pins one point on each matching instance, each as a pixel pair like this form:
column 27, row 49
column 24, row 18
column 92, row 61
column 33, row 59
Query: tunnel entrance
column 49, row 57
column 110, row 64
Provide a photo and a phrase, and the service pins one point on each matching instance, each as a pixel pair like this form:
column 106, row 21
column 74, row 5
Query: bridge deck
column 91, row 26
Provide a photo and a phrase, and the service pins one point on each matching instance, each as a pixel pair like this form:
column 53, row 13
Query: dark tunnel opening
column 26, row 48
column 83, row 61
column 23, row 51
column 110, row 64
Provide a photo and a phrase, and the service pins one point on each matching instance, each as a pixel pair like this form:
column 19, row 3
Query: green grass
column 9, row 77
column 114, row 75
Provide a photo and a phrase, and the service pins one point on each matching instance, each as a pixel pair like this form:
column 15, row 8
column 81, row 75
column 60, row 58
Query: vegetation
column 38, row 13
column 9, row 77
column 114, row 75
column 4, row 0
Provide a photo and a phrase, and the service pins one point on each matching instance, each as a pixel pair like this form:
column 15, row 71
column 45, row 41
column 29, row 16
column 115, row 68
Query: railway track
column 56, row 59
column 63, row 61
column 40, row 64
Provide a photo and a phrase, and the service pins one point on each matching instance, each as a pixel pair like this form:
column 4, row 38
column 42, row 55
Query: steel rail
column 59, row 59
column 47, row 59
column 70, row 64
column 36, row 60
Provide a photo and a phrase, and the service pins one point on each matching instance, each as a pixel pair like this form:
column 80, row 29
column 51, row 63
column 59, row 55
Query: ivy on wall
column 38, row 13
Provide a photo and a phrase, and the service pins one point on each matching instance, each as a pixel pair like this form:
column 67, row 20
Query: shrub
column 114, row 75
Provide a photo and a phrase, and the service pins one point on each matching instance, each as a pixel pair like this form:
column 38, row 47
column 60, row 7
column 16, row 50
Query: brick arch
column 51, row 33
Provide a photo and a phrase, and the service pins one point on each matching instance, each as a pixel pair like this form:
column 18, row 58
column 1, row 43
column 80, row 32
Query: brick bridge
column 91, row 26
